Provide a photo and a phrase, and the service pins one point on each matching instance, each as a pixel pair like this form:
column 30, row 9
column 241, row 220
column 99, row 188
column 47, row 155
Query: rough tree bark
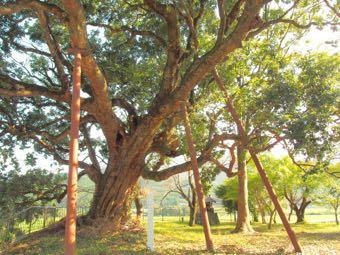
column 111, row 197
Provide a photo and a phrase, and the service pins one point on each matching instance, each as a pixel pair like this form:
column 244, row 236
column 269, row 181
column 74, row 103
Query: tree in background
column 187, row 190
column 292, row 184
column 272, row 90
column 289, row 182
column 329, row 192
column 298, row 196
column 228, row 192
column 144, row 60
column 19, row 191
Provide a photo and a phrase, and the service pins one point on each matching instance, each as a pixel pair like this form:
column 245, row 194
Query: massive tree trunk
column 243, row 214
column 111, row 198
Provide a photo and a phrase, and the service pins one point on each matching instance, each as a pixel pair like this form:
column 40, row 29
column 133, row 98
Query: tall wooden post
column 275, row 201
column 198, row 184
column 71, row 215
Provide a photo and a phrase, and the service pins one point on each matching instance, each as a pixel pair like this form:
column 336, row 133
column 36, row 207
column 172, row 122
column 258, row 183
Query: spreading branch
column 134, row 32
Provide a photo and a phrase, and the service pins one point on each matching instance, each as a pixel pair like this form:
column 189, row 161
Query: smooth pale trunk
column 243, row 214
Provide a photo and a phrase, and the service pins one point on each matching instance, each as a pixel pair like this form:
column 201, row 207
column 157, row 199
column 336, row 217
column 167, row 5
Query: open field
column 174, row 237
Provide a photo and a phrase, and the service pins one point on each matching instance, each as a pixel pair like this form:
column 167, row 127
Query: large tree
column 145, row 58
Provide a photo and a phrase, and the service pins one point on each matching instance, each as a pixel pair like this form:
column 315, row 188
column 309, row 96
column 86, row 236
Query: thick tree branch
column 187, row 12
column 170, row 171
column 108, row 121
column 18, row 6
column 230, row 106
column 233, row 15
column 204, row 157
column 292, row 22
column 90, row 149
column 159, row 8
column 336, row 12
column 228, row 170
column 271, row 145
column 195, row 73
column 16, row 88
column 122, row 103
column 54, row 49
column 25, row 49
column 174, row 52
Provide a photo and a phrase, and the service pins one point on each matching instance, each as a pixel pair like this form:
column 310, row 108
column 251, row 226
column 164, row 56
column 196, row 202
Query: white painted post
column 150, row 236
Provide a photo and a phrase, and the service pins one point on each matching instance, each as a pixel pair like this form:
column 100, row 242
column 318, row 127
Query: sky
column 318, row 40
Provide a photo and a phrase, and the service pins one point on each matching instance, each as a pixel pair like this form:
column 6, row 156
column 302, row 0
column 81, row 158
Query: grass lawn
column 174, row 237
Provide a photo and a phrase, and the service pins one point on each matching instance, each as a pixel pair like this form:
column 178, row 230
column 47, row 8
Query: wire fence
column 32, row 219
column 182, row 213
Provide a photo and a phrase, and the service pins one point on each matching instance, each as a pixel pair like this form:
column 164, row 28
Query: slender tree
column 188, row 192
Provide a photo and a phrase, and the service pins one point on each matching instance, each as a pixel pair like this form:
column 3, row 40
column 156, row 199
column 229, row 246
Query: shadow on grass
column 178, row 238
column 325, row 236
column 234, row 249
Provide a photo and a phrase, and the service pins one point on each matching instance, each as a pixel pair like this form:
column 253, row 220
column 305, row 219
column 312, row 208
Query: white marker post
column 150, row 237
